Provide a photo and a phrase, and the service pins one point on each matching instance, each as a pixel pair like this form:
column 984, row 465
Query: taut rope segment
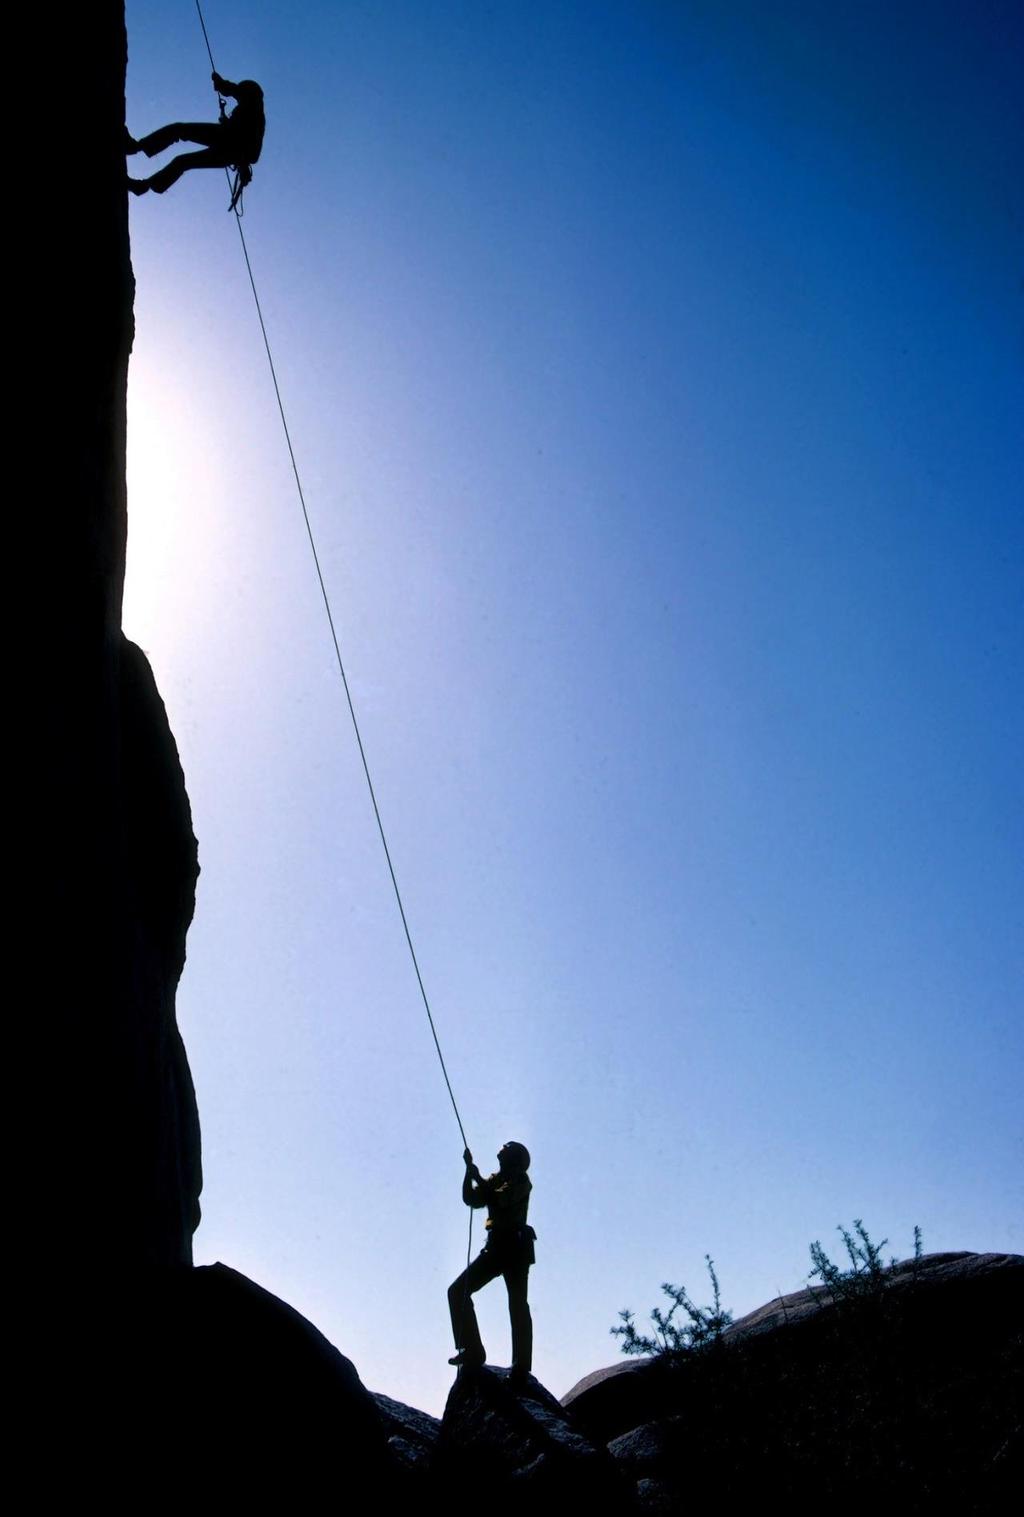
column 337, row 650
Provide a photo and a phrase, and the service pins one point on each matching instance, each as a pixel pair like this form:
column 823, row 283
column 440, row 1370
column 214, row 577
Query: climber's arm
column 474, row 1188
column 224, row 86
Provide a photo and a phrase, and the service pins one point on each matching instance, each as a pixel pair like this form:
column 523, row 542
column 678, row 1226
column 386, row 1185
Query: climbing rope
column 206, row 35
column 337, row 653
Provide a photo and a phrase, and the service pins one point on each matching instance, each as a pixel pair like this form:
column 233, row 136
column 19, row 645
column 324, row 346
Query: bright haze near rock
column 654, row 376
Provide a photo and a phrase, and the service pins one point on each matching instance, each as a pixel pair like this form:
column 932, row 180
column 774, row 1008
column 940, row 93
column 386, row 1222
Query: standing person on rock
column 235, row 141
column 508, row 1252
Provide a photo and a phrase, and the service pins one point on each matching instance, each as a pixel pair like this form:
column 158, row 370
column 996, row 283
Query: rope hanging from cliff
column 337, row 652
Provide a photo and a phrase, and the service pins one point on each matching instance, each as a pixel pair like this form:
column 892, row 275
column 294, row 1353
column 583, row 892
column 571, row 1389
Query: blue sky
column 654, row 372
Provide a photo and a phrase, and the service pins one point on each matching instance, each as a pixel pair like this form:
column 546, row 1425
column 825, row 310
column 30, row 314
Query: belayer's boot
column 464, row 1360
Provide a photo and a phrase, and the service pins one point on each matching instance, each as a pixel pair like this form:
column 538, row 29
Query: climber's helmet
column 514, row 1156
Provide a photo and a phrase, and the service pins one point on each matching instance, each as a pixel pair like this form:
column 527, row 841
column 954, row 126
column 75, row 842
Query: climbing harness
column 243, row 174
column 243, row 178
column 243, row 171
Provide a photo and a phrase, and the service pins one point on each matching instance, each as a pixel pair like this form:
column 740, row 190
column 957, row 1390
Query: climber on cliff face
column 508, row 1252
column 232, row 142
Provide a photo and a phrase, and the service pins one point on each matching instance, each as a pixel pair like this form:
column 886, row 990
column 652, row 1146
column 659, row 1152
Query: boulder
column 505, row 1445
column 641, row 1452
column 411, row 1434
column 928, row 1272
column 906, row 1396
column 215, row 1388
column 611, row 1401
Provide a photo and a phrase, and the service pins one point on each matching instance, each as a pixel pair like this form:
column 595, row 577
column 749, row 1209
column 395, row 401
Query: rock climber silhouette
column 508, row 1252
column 232, row 142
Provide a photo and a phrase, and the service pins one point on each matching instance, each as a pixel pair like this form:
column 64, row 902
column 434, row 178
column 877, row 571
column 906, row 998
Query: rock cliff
column 147, row 1381
column 118, row 1133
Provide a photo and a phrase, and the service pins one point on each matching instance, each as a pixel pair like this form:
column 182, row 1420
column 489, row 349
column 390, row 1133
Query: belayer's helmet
column 518, row 1154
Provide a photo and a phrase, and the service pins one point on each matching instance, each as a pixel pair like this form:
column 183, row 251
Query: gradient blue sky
column 655, row 375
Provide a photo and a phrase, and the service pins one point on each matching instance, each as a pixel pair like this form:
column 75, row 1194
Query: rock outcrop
column 267, row 1409
column 412, row 1435
column 511, row 1446
column 908, row 1397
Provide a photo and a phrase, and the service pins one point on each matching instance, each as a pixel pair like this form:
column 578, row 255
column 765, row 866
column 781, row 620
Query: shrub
column 867, row 1272
column 702, row 1330
column 866, row 1276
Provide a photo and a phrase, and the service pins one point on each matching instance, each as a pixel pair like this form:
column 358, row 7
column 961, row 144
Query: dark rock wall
column 159, row 870
column 113, row 856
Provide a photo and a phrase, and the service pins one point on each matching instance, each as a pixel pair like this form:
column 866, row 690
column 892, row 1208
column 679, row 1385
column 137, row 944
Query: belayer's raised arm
column 474, row 1188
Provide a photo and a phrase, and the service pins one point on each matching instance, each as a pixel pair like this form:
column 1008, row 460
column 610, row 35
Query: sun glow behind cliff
column 176, row 535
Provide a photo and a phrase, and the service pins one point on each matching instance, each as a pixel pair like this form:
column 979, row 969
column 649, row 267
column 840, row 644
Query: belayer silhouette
column 508, row 1252
column 233, row 142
